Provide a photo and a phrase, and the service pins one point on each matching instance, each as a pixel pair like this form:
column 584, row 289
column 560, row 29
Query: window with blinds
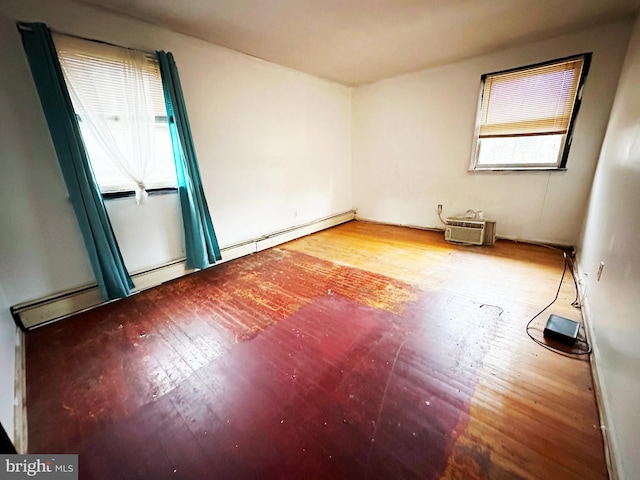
column 118, row 97
column 526, row 115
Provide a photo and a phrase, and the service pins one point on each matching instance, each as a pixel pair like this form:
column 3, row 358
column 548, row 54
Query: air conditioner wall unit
column 489, row 232
column 465, row 231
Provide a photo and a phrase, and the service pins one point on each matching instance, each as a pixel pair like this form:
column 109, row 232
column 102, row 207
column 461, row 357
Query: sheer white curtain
column 111, row 92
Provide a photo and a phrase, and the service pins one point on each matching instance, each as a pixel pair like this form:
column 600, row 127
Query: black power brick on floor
column 561, row 329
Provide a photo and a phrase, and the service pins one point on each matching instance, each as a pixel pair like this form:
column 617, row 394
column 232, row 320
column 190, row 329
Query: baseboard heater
column 36, row 313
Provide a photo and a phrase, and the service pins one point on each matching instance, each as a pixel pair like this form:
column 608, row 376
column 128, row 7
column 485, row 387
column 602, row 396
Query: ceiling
column 359, row 41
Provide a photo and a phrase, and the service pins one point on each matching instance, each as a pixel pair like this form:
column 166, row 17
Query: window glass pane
column 107, row 174
column 111, row 179
column 164, row 169
column 536, row 150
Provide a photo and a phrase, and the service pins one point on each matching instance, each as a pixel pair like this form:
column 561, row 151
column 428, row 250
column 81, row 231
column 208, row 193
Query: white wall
column 413, row 137
column 611, row 235
column 149, row 233
column 7, row 366
column 274, row 147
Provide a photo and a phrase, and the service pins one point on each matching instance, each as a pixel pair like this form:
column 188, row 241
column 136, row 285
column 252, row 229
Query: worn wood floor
column 361, row 352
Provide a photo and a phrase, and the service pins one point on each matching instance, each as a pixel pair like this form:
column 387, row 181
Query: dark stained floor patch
column 336, row 390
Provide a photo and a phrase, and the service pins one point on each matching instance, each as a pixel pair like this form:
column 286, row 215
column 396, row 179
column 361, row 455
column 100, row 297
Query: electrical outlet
column 600, row 268
column 439, row 208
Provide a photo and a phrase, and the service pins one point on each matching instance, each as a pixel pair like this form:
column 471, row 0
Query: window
column 118, row 98
column 526, row 115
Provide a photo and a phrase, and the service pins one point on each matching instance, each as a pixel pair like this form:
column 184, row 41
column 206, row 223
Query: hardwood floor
column 361, row 352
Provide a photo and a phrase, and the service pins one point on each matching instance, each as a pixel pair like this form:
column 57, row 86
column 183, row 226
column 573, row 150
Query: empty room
column 381, row 239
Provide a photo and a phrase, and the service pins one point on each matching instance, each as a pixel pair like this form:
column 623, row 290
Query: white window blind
column 117, row 94
column 530, row 101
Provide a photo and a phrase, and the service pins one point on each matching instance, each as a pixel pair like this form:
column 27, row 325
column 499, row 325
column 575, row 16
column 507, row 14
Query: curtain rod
column 152, row 54
column 24, row 26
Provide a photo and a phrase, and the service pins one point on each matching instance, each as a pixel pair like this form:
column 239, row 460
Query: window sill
column 517, row 169
column 130, row 193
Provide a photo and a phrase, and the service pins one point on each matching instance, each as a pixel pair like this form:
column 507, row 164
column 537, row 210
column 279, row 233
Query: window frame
column 563, row 154
column 115, row 193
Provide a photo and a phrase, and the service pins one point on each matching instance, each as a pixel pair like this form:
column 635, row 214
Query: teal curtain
column 99, row 239
column 201, row 244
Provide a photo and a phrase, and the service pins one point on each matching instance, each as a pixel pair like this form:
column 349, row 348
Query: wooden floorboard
column 361, row 352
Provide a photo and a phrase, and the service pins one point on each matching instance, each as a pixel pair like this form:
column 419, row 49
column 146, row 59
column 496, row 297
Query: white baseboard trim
column 441, row 229
column 40, row 312
column 20, row 432
column 606, row 426
column 283, row 236
column 396, row 224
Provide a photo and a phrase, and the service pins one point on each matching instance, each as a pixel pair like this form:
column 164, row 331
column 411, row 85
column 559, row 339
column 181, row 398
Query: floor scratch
column 384, row 396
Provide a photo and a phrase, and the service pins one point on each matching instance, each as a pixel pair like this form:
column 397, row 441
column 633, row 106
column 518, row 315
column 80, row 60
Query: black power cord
column 575, row 303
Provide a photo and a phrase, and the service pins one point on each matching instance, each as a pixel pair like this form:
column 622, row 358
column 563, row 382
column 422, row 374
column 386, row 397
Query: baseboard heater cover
column 33, row 314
